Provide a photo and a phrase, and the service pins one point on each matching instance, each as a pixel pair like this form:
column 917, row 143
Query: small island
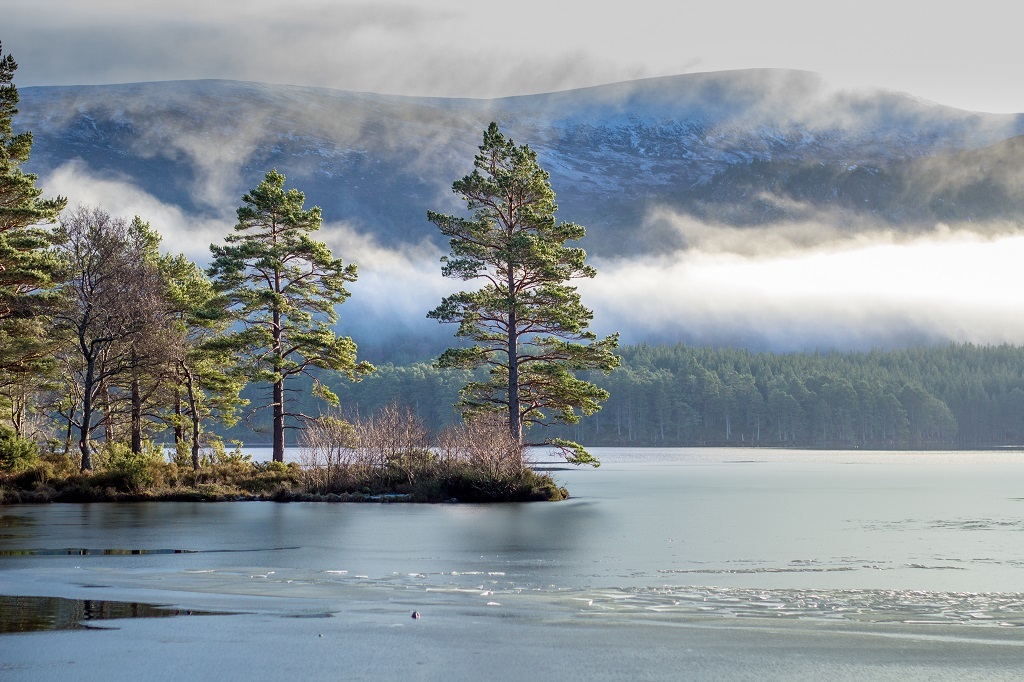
column 108, row 343
column 385, row 459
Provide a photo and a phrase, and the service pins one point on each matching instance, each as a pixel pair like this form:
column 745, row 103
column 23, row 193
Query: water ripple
column 875, row 606
column 480, row 589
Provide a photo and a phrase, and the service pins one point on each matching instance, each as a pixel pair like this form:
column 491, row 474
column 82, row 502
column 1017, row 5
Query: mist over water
column 856, row 293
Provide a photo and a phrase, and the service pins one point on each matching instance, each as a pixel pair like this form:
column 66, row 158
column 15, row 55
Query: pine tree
column 283, row 288
column 526, row 324
column 27, row 267
column 206, row 384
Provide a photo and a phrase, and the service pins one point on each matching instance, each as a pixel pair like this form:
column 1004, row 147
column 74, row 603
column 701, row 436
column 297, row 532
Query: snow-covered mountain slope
column 742, row 147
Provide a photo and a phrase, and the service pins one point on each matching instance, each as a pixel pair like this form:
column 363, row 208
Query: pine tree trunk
column 179, row 432
column 193, row 406
column 69, row 434
column 108, row 420
column 279, row 420
column 195, row 443
column 515, row 426
column 279, row 384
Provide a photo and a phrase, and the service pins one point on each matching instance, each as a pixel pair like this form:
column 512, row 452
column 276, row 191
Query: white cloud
column 862, row 292
column 395, row 286
column 394, row 290
column 181, row 232
column 789, row 287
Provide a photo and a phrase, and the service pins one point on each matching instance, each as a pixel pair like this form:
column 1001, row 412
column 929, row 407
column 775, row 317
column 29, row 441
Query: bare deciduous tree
column 112, row 298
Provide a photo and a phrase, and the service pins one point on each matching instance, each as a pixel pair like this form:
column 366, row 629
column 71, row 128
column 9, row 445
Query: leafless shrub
column 330, row 456
column 342, row 455
column 392, row 452
column 485, row 444
column 394, row 441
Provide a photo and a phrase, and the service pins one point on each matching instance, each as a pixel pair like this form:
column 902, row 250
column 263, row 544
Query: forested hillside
column 950, row 396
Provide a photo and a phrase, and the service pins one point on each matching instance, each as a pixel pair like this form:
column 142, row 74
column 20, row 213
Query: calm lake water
column 665, row 564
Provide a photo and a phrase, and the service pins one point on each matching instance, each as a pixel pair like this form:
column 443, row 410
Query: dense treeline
column 957, row 395
column 950, row 396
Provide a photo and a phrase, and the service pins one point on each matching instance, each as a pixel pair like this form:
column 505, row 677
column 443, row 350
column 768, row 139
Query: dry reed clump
column 392, row 452
column 485, row 445
column 388, row 450
column 396, row 444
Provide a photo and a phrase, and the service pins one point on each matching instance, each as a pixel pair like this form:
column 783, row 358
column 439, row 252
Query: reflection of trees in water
column 35, row 614
column 81, row 551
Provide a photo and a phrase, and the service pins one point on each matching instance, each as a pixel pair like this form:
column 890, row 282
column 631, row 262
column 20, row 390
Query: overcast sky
column 957, row 53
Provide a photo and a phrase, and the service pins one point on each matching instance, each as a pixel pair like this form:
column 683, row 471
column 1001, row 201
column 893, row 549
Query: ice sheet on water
column 335, row 590
column 876, row 606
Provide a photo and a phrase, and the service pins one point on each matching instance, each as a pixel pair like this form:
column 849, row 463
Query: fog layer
column 796, row 286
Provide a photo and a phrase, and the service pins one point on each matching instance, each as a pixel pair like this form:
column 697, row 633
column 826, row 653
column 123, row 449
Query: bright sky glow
column 949, row 285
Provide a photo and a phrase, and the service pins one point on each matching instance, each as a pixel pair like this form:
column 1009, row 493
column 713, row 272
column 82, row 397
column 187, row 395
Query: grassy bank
column 423, row 476
column 265, row 481
column 390, row 458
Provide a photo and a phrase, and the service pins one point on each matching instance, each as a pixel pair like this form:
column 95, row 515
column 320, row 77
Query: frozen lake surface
column 665, row 564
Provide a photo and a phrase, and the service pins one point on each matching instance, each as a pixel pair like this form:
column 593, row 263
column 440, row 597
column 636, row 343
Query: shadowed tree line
column 958, row 395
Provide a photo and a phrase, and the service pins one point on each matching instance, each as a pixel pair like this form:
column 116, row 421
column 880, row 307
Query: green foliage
column 128, row 471
column 574, row 453
column 218, row 455
column 27, row 267
column 182, row 456
column 525, row 324
column 282, row 287
column 16, row 453
column 207, row 383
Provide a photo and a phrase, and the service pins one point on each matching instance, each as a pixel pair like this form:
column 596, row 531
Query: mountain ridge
column 615, row 152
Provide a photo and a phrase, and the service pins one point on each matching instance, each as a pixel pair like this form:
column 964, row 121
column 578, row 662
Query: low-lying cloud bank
column 798, row 287
column 389, row 300
column 815, row 284
column 181, row 232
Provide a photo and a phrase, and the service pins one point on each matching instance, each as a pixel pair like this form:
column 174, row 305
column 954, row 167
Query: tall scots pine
column 27, row 267
column 526, row 324
column 283, row 288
